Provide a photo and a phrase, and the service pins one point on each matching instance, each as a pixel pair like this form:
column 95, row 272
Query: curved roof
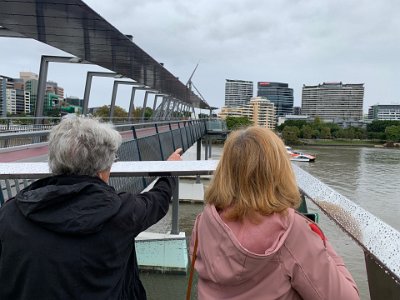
column 72, row 26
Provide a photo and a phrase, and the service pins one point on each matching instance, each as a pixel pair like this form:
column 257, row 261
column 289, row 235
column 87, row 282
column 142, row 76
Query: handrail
column 36, row 170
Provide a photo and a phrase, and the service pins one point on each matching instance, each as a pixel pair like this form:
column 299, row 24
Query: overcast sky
column 293, row 41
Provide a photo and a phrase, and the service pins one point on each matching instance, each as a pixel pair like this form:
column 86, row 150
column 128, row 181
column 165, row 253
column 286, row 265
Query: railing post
column 172, row 136
column 210, row 146
column 175, row 209
column 206, row 148
column 138, row 150
column 159, row 142
column 198, row 154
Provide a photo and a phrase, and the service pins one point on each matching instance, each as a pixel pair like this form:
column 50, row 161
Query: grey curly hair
column 82, row 146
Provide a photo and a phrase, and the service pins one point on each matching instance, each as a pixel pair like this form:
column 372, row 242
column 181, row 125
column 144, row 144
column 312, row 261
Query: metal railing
column 153, row 141
column 22, row 138
column 379, row 241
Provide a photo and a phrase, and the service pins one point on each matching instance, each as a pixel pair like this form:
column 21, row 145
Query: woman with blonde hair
column 251, row 242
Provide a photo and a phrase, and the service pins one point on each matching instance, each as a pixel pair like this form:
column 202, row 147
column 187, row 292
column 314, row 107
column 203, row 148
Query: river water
column 369, row 177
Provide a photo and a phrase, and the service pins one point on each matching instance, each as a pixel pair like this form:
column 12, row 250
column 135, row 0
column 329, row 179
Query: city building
column 279, row 94
column 3, row 96
column 296, row 110
column 259, row 110
column 30, row 81
column 384, row 112
column 333, row 102
column 31, row 86
column 237, row 92
column 282, row 120
column 25, row 76
column 17, row 100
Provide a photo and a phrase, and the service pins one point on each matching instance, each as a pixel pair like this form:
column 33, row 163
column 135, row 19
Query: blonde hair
column 253, row 175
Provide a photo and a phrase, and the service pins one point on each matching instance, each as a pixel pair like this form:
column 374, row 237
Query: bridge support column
column 175, row 209
column 198, row 154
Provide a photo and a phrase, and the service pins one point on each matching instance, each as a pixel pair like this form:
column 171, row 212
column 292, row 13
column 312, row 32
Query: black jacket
column 72, row 237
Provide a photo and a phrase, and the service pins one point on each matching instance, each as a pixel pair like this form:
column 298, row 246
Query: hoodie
column 284, row 257
column 72, row 237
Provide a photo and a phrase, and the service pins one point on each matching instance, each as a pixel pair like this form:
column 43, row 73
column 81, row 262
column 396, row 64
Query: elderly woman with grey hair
column 71, row 235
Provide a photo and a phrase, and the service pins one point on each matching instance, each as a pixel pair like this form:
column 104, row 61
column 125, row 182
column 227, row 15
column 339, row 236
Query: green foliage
column 306, row 131
column 325, row 133
column 393, row 133
column 380, row 125
column 297, row 123
column 233, row 123
column 290, row 135
column 104, row 112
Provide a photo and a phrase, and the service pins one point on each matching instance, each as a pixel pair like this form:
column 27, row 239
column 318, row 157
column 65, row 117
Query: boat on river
column 299, row 156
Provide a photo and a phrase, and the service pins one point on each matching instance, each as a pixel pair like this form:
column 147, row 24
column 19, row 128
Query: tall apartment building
column 334, row 102
column 30, row 80
column 17, row 98
column 259, row 110
column 279, row 94
column 31, row 86
column 238, row 92
column 3, row 96
column 384, row 112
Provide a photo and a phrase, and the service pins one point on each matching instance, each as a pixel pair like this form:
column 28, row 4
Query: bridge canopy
column 72, row 26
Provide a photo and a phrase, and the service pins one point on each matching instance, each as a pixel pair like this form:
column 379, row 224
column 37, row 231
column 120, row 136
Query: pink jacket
column 280, row 258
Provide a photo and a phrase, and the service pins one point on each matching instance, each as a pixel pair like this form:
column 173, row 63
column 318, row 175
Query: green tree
column 393, row 133
column 325, row 133
column 290, row 134
column 298, row 123
column 104, row 112
column 380, row 125
column 233, row 123
column 306, row 131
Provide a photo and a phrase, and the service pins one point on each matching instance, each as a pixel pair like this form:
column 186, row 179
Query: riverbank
column 343, row 143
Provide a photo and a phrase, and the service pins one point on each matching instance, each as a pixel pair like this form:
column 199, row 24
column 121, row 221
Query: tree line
column 293, row 130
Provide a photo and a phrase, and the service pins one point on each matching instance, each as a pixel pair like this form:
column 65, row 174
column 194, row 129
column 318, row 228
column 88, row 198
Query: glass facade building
column 279, row 94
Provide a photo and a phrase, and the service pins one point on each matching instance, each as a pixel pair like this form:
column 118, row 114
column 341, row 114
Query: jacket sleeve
column 147, row 208
column 316, row 271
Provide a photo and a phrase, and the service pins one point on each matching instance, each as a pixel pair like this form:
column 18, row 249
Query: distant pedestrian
column 251, row 243
column 71, row 235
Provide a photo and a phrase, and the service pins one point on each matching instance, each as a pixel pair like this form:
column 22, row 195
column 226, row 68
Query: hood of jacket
column 224, row 260
column 69, row 204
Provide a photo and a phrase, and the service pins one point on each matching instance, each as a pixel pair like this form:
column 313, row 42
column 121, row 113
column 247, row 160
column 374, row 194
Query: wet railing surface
column 379, row 241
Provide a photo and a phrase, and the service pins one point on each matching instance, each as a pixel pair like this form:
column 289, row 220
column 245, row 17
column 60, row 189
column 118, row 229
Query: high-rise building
column 264, row 112
column 31, row 86
column 333, row 102
column 279, row 94
column 25, row 76
column 3, row 96
column 17, row 98
column 54, row 88
column 384, row 112
column 259, row 110
column 238, row 92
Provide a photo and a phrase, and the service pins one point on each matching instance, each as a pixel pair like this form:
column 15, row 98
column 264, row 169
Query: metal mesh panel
column 176, row 134
column 128, row 151
column 149, row 148
column 131, row 184
column 166, row 144
column 184, row 138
